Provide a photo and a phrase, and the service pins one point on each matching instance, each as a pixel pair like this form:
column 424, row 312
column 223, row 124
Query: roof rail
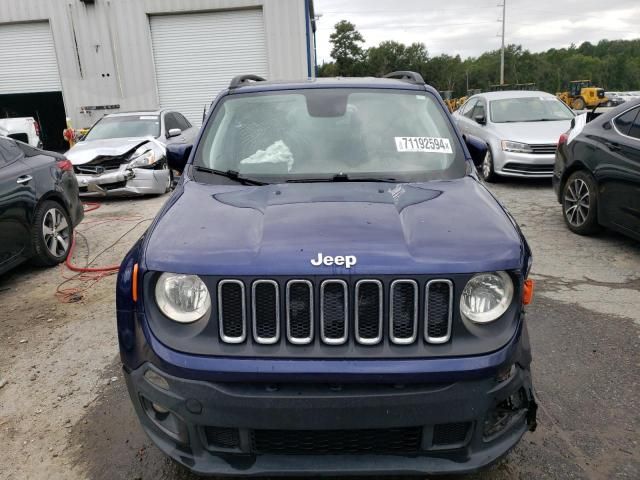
column 244, row 79
column 412, row 77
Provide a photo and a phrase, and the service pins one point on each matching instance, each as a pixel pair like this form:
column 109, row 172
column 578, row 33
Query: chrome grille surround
column 427, row 317
column 226, row 338
column 299, row 340
column 378, row 306
column 403, row 340
column 325, row 322
column 254, row 313
column 357, row 321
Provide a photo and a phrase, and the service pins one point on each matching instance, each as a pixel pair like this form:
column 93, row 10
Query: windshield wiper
column 232, row 174
column 343, row 177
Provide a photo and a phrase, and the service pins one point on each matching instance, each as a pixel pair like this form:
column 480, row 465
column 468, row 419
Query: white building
column 84, row 58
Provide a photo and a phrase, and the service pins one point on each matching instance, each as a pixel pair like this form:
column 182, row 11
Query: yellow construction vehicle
column 582, row 94
column 450, row 102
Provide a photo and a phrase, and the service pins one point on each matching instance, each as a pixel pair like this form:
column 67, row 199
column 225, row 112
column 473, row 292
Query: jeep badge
column 348, row 261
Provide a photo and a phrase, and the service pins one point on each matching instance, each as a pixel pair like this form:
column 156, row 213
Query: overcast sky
column 471, row 27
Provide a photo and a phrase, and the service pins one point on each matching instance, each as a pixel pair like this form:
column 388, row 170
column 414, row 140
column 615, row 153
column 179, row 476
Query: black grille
column 369, row 311
column 334, row 312
column 232, row 310
column 380, row 309
column 438, row 310
column 528, row 168
column 450, row 434
column 403, row 311
column 266, row 311
column 222, row 437
column 299, row 312
column 318, row 442
column 544, row 149
column 107, row 162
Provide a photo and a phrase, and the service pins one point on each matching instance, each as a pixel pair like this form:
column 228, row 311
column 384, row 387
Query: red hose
column 88, row 207
column 72, row 267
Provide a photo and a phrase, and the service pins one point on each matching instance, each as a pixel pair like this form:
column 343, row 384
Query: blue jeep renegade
column 329, row 290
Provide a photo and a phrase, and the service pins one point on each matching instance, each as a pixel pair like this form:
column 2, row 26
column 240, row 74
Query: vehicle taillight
column 65, row 165
column 563, row 139
column 36, row 125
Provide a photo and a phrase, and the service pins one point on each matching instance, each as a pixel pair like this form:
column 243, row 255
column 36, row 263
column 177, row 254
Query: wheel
column 580, row 203
column 487, row 171
column 169, row 186
column 51, row 234
column 578, row 104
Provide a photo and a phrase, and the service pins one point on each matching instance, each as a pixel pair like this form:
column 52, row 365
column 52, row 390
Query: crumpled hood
column 532, row 132
column 437, row 227
column 84, row 152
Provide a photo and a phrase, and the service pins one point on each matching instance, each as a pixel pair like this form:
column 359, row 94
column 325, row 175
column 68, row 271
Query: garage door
column 197, row 54
column 28, row 61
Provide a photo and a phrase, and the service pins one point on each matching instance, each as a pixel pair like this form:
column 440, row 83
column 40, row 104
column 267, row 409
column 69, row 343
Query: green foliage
column 346, row 50
column 611, row 64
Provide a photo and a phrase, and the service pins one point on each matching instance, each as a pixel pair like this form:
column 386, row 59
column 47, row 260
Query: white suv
column 24, row 129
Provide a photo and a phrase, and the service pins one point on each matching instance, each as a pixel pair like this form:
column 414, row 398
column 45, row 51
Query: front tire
column 578, row 104
column 580, row 203
column 486, row 170
column 51, row 234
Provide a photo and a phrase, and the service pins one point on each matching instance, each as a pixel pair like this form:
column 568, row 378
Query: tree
column 611, row 64
column 390, row 56
column 346, row 50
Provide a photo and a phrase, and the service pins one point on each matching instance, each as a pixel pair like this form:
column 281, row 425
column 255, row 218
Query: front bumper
column 216, row 428
column 125, row 181
column 511, row 164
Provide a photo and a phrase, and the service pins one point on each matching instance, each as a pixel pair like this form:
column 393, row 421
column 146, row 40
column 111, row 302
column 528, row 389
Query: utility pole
column 504, row 16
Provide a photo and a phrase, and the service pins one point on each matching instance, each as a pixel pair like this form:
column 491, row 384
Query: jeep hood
column 437, row 227
column 85, row 152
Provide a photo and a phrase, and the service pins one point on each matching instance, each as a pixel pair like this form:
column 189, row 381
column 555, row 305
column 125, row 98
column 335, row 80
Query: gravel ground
column 64, row 411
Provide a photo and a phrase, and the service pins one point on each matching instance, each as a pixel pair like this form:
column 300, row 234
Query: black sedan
column 39, row 205
column 597, row 172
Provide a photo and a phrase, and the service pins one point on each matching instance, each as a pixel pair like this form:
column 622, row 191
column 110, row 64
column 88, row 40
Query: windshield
column 321, row 133
column 125, row 126
column 529, row 109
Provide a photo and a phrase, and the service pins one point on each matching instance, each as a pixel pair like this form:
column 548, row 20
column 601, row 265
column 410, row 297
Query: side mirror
column 178, row 155
column 173, row 132
column 607, row 125
column 477, row 148
column 480, row 118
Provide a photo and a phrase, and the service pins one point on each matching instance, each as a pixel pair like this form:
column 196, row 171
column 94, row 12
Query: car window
column 170, row 122
column 529, row 109
column 478, row 110
column 9, row 152
column 123, row 126
column 635, row 127
column 320, row 133
column 468, row 107
column 623, row 122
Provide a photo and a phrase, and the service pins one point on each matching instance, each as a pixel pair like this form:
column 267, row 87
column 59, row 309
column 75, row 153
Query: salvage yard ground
column 65, row 413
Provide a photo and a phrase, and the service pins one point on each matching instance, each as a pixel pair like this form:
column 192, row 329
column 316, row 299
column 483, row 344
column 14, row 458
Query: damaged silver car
column 125, row 154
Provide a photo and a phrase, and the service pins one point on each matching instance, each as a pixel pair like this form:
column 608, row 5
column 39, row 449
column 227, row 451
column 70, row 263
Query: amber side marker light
column 527, row 294
column 134, row 283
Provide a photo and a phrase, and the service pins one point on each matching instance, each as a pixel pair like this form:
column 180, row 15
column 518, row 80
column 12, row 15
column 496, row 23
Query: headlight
column 182, row 298
column 486, row 297
column 517, row 147
column 144, row 159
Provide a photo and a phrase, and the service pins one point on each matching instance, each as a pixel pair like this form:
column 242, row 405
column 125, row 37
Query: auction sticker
column 423, row 144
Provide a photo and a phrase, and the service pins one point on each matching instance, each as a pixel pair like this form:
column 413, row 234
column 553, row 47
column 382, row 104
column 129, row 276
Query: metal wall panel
column 113, row 37
column 196, row 54
column 28, row 59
